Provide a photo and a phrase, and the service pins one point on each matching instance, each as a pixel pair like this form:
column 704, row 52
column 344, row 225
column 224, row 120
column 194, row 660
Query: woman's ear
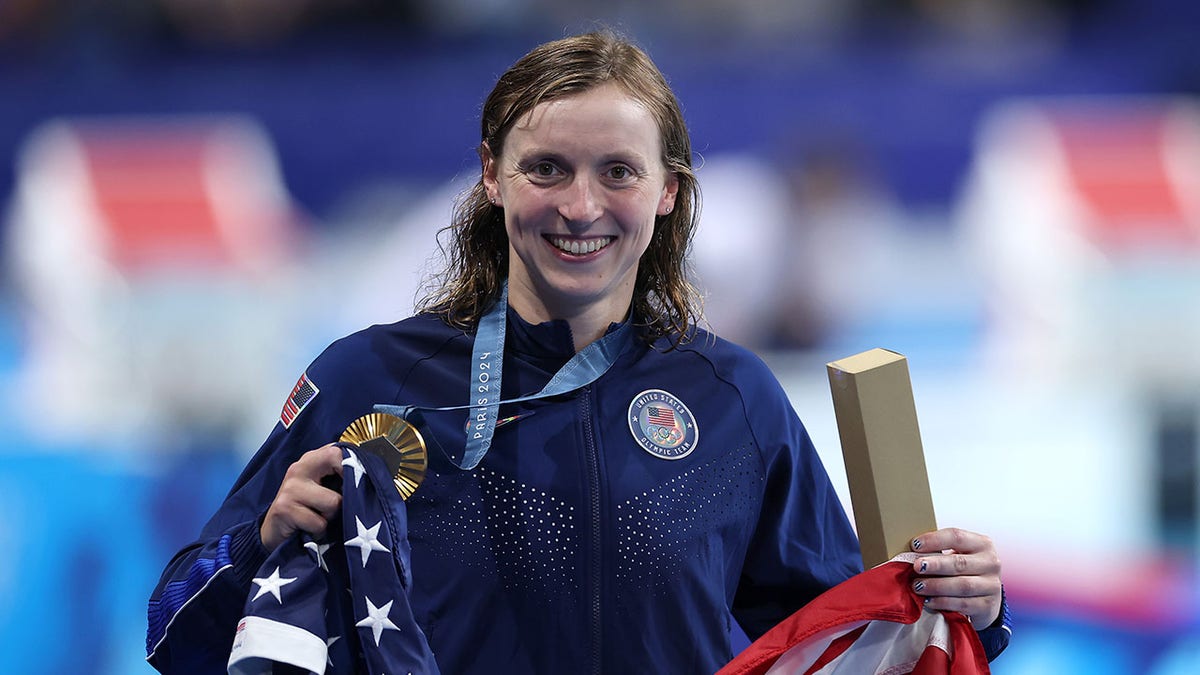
column 667, row 203
column 491, row 185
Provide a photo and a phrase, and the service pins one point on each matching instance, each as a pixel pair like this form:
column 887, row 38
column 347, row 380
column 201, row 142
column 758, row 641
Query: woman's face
column 580, row 180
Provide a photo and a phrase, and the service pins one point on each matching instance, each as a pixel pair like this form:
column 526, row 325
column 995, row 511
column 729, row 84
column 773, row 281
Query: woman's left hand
column 959, row 571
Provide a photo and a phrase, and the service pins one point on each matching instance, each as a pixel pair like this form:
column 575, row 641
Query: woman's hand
column 959, row 571
column 302, row 503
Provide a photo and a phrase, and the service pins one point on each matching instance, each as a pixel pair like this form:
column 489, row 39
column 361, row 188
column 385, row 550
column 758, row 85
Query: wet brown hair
column 664, row 301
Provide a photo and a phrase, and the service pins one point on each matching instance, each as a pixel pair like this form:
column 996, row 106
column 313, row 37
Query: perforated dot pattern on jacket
column 659, row 529
column 526, row 536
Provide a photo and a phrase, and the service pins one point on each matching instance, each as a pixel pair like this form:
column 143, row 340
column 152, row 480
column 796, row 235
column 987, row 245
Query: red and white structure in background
column 151, row 257
column 1085, row 214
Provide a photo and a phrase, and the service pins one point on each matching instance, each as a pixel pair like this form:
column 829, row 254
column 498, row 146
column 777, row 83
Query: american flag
column 661, row 416
column 338, row 604
column 871, row 623
column 302, row 393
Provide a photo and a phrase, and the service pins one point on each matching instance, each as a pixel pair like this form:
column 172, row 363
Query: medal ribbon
column 487, row 361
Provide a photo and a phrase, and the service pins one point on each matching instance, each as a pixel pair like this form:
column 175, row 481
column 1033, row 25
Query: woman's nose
column 581, row 201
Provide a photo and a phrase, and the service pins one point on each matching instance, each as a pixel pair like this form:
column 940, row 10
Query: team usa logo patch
column 302, row 394
column 663, row 425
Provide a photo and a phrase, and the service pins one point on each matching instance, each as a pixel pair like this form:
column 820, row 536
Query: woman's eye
column 543, row 169
column 620, row 172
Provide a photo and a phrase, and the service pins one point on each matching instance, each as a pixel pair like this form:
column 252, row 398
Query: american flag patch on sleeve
column 304, row 392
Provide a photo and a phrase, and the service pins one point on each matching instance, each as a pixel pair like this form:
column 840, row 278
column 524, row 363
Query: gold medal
column 397, row 442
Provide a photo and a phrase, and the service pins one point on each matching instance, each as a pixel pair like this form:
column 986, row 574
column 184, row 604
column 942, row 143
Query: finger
column 951, row 538
column 316, row 498
column 303, row 505
column 316, row 464
column 335, row 452
column 958, row 564
column 285, row 518
column 980, row 611
column 978, row 598
column 307, row 520
column 957, row 587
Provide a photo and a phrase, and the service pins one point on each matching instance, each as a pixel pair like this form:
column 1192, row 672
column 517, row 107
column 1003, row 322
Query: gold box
column 881, row 445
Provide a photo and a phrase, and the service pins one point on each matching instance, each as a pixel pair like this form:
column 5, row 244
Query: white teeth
column 577, row 247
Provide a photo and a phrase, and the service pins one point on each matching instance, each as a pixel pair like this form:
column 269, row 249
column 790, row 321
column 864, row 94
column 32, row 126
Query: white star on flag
column 329, row 643
column 271, row 585
column 367, row 539
column 318, row 551
column 355, row 465
column 377, row 619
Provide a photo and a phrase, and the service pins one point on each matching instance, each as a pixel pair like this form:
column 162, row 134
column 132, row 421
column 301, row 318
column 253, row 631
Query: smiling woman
column 581, row 182
column 591, row 67
column 573, row 517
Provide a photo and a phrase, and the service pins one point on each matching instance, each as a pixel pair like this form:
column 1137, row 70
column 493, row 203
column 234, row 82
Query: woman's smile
column 575, row 247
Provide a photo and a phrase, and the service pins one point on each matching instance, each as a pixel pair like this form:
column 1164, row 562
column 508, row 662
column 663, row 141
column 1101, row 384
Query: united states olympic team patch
column 663, row 425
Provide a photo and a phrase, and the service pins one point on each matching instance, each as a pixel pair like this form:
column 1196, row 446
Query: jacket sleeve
column 996, row 636
column 193, row 612
column 803, row 543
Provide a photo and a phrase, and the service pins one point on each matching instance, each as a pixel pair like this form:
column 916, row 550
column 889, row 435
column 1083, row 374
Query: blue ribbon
column 487, row 363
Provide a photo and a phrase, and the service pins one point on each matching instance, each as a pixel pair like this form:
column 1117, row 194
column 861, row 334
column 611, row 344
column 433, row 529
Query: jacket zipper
column 594, row 567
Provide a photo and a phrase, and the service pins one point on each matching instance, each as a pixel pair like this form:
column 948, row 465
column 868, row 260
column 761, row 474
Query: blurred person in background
column 656, row 489
column 795, row 249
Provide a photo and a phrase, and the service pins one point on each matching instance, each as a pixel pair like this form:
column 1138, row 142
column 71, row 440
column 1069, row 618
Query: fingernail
column 924, row 566
column 919, row 586
column 916, row 544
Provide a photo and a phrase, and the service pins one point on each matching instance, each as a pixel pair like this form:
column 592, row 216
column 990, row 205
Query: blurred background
column 196, row 196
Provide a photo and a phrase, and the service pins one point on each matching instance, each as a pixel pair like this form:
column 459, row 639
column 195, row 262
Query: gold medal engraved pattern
column 397, row 442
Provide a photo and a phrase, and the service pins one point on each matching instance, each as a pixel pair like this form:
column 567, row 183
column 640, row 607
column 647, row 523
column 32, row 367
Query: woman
column 620, row 522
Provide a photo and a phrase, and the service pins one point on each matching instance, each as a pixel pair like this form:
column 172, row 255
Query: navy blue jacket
column 573, row 547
